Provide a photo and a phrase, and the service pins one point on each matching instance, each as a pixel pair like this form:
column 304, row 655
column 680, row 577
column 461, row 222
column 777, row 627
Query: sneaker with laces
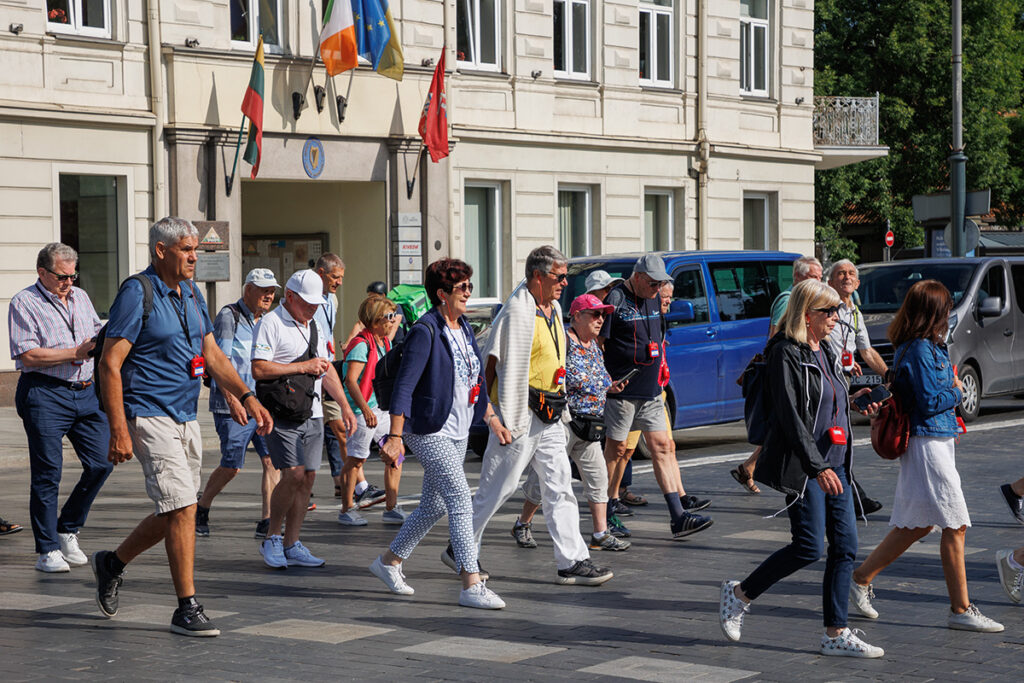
column 395, row 516
column 583, row 573
column 351, row 518
column 298, row 555
column 731, row 611
column 972, row 619
column 480, row 596
column 694, row 504
column 608, row 542
column 272, row 551
column 190, row 620
column 262, row 527
column 617, row 528
column 688, row 524
column 1011, row 578
column 202, row 521
column 1014, row 502
column 619, row 508
column 861, row 597
column 523, row 533
column 847, row 644
column 371, row 496
column 52, row 562
column 71, row 551
column 107, row 583
column 392, row 577
column 448, row 557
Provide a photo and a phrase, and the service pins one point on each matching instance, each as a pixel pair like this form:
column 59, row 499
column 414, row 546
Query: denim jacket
column 924, row 381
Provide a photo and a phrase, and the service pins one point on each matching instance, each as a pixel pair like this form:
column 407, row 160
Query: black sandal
column 9, row 527
column 745, row 479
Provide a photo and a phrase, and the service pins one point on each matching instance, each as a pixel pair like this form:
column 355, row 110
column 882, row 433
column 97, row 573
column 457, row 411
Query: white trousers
column 543, row 448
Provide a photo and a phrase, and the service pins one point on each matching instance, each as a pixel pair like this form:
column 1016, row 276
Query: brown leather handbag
column 890, row 430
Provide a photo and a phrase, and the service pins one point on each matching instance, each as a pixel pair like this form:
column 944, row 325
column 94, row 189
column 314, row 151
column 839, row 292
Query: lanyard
column 551, row 328
column 820, row 361
column 183, row 317
column 464, row 353
column 69, row 320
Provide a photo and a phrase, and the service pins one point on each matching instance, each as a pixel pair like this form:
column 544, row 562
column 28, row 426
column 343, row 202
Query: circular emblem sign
column 313, row 157
column 890, row 239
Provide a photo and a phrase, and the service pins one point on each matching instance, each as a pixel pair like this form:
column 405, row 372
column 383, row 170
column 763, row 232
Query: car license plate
column 866, row 380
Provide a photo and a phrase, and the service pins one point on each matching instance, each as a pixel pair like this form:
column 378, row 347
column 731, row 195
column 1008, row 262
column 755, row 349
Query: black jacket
column 789, row 455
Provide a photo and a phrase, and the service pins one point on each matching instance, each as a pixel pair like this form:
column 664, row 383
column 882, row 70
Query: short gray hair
column 53, row 252
column 169, row 230
column 543, row 259
column 802, row 265
column 839, row 264
column 328, row 262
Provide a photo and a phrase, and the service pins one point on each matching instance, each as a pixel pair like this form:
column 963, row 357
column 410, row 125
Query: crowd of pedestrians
column 553, row 397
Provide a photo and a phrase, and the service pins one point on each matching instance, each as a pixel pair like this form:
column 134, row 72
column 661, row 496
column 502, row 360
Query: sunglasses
column 830, row 311
column 63, row 278
column 564, row 277
column 593, row 312
column 466, row 287
column 390, row 317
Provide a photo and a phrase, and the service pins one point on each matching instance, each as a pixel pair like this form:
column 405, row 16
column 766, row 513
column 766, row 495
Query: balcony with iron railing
column 846, row 130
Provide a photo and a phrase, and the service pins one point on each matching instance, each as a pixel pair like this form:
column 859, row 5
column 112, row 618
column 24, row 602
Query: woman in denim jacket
column 928, row 492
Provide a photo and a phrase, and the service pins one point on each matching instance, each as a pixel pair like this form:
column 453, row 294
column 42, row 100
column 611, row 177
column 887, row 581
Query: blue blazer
column 423, row 388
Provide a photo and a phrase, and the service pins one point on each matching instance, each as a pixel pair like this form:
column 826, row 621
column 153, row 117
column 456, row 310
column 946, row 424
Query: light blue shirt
column 236, row 343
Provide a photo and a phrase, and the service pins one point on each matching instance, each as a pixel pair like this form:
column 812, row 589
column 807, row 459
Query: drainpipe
column 703, row 146
column 156, row 100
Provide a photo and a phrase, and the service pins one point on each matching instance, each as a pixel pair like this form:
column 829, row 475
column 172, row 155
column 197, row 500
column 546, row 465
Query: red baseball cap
column 589, row 302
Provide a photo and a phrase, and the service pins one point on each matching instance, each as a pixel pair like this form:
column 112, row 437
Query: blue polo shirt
column 157, row 374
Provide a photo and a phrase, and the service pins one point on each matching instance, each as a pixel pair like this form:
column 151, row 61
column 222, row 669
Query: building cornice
column 81, row 115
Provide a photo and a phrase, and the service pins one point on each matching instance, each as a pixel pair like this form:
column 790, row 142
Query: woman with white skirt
column 928, row 492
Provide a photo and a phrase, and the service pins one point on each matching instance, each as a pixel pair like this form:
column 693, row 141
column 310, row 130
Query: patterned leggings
column 444, row 490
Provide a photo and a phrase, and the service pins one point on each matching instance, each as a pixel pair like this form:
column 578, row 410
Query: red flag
column 434, row 119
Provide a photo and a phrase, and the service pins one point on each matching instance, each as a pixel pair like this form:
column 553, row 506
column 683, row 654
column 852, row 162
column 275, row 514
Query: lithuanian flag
column 338, row 46
column 252, row 107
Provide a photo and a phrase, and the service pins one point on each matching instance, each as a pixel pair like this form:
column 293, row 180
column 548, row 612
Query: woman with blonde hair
column 807, row 455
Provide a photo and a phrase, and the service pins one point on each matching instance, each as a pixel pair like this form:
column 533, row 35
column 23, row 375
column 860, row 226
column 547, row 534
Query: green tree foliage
column 902, row 51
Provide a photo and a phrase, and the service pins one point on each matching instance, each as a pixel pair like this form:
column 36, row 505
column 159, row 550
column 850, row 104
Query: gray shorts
column 171, row 456
column 294, row 444
column 623, row 415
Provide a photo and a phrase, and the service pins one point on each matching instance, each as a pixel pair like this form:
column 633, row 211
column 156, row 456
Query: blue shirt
column 628, row 333
column 236, row 343
column 157, row 374
column 924, row 380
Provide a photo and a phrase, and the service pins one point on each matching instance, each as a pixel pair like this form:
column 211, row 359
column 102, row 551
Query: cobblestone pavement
column 655, row 621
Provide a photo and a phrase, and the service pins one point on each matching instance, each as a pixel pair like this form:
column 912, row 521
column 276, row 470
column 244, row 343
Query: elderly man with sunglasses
column 52, row 325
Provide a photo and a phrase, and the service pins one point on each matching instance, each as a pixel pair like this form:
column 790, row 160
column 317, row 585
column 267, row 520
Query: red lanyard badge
column 330, row 347
column 653, row 350
column 198, row 366
column 560, row 377
column 837, row 435
column 474, row 394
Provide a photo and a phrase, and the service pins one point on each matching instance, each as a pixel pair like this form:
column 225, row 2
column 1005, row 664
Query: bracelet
column 396, row 436
column 241, row 399
column 488, row 420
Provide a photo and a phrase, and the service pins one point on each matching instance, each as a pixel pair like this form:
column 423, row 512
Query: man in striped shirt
column 52, row 325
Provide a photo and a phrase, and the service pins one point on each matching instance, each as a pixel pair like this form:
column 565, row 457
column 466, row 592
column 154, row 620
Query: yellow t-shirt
column 546, row 357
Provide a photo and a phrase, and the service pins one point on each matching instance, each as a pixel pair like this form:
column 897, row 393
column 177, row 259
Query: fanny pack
column 587, row 427
column 290, row 398
column 547, row 405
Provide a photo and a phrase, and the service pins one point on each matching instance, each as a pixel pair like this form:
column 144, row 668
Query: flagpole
column 229, row 181
column 410, row 184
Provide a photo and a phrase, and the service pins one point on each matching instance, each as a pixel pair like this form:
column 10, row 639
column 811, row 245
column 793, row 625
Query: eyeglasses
column 829, row 312
column 466, row 287
column 63, row 278
column 564, row 277
column 390, row 316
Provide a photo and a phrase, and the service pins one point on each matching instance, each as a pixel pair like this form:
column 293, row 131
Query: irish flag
column 338, row 46
column 252, row 107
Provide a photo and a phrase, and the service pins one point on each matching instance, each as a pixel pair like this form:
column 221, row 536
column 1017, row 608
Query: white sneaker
column 860, row 598
column 847, row 644
column 731, row 611
column 298, row 555
column 392, row 577
column 480, row 596
column 272, row 550
column 1012, row 579
column 52, row 562
column 394, row 516
column 973, row 620
column 70, row 550
column 351, row 518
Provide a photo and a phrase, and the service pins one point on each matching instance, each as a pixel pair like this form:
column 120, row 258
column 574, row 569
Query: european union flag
column 372, row 29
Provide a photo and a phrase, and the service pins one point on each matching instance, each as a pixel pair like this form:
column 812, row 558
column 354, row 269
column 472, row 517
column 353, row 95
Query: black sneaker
column 693, row 503
column 448, row 557
column 371, row 496
column 870, row 505
column 107, row 583
column 262, row 527
column 619, row 508
column 202, row 521
column 583, row 573
column 1015, row 502
column 617, row 528
column 688, row 524
column 191, row 621
column 523, row 535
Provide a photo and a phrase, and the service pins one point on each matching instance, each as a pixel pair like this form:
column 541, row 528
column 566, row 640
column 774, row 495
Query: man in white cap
column 233, row 330
column 599, row 283
column 290, row 363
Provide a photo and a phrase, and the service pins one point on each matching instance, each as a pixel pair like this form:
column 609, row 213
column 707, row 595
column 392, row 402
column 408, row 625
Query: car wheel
column 971, row 405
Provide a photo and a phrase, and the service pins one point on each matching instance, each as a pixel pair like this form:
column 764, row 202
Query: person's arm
column 223, row 372
column 48, row 358
column 332, row 384
column 491, row 371
column 267, row 369
column 25, row 342
column 115, row 351
column 874, row 360
column 394, row 446
column 351, row 381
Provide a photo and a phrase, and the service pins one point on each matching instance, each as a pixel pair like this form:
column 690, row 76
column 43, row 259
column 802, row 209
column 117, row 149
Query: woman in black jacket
column 807, row 455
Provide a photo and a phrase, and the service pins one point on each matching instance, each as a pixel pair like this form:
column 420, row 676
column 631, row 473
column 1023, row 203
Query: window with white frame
column 81, row 17
column 478, row 33
column 656, row 40
column 251, row 18
column 575, row 221
column 757, row 221
column 754, row 43
column 482, row 221
column 91, row 220
column 572, row 38
column 658, row 220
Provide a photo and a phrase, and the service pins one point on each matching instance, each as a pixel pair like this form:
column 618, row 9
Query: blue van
column 718, row 321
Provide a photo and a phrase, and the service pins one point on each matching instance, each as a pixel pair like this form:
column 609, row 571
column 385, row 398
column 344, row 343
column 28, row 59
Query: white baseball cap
column 308, row 285
column 261, row 277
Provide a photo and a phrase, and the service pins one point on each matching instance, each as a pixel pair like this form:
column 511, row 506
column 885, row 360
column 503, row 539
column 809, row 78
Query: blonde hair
column 805, row 296
column 373, row 308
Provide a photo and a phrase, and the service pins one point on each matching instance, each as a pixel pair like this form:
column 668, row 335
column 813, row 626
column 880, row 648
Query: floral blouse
column 586, row 378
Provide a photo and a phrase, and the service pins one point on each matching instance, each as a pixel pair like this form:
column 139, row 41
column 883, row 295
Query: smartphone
column 878, row 394
column 628, row 376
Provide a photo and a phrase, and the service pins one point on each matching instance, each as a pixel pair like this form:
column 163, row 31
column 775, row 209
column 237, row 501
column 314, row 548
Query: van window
column 1017, row 271
column 689, row 286
column 742, row 290
column 993, row 284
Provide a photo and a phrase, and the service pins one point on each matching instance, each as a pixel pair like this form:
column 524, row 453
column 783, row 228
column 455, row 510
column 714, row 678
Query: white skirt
column 928, row 490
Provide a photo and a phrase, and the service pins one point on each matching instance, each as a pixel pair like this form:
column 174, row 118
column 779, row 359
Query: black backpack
column 756, row 408
column 386, row 372
column 101, row 336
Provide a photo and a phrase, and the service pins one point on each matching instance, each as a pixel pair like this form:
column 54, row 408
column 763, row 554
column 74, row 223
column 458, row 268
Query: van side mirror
column 680, row 311
column 990, row 307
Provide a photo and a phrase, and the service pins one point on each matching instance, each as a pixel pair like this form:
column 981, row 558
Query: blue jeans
column 235, row 438
column 812, row 519
column 49, row 412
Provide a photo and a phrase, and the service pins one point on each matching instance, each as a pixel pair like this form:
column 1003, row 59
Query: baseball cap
column 653, row 266
column 589, row 302
column 261, row 277
column 308, row 285
column 377, row 287
column 599, row 279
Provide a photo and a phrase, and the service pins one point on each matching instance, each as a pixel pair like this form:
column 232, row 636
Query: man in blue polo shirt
column 151, row 374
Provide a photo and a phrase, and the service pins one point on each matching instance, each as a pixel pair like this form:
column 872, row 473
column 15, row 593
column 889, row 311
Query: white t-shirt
column 280, row 339
column 466, row 370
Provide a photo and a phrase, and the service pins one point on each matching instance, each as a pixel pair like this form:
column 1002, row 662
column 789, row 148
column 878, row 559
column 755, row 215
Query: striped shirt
column 38, row 319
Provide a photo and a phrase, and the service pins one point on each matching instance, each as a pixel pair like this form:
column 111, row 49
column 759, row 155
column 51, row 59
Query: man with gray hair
column 526, row 349
column 52, row 325
column 151, row 371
